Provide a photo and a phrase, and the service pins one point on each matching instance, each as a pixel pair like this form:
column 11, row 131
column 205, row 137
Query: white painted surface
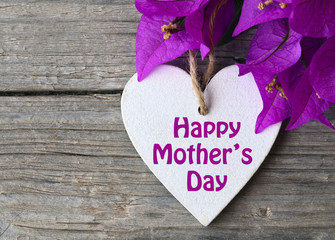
column 150, row 107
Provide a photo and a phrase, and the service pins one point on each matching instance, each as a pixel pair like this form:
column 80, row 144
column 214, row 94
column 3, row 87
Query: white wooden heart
column 149, row 110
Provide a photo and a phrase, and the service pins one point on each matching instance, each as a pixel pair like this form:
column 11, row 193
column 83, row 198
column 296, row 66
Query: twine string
column 199, row 88
column 195, row 82
column 211, row 63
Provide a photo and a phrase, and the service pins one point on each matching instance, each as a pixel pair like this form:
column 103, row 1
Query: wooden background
column 68, row 169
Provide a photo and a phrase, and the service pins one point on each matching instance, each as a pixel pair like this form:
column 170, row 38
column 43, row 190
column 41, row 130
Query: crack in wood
column 5, row 230
column 59, row 93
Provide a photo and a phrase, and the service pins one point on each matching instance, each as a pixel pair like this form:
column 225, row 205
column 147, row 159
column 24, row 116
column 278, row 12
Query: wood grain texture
column 68, row 169
column 75, row 45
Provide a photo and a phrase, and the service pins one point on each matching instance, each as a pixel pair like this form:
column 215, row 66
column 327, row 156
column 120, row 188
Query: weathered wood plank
column 69, row 171
column 73, row 45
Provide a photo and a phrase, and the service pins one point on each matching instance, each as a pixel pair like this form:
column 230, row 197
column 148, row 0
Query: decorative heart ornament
column 204, row 161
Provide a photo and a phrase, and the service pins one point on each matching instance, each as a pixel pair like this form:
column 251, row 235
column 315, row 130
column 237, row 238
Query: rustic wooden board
column 76, row 45
column 68, row 169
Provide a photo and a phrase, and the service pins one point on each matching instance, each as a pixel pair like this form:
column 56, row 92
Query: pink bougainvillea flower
column 306, row 104
column 274, row 49
column 275, row 107
column 169, row 28
column 305, row 101
column 153, row 49
column 291, row 59
column 282, row 62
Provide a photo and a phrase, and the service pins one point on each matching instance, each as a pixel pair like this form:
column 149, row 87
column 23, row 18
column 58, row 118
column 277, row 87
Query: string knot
column 203, row 110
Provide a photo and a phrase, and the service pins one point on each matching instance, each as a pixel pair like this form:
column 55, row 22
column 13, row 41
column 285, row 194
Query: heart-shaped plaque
column 204, row 161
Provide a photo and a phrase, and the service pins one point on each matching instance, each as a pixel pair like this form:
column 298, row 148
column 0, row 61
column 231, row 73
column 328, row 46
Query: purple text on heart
column 200, row 155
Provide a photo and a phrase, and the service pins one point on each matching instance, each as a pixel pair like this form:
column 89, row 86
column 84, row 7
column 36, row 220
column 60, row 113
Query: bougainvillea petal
column 152, row 49
column 322, row 70
column 296, row 42
column 275, row 107
column 197, row 23
column 290, row 78
column 174, row 8
column 252, row 16
column 243, row 69
column 273, row 49
column 284, row 1
column 309, row 47
column 322, row 119
column 204, row 50
column 313, row 18
column 306, row 105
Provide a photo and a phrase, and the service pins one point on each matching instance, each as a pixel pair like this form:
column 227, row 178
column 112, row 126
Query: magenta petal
column 197, row 24
column 306, row 105
column 204, row 50
column 152, row 49
column 290, row 78
column 243, row 69
column 313, row 18
column 322, row 70
column 180, row 8
column 275, row 108
column 309, row 47
column 284, row 1
column 322, row 119
column 252, row 16
column 274, row 48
